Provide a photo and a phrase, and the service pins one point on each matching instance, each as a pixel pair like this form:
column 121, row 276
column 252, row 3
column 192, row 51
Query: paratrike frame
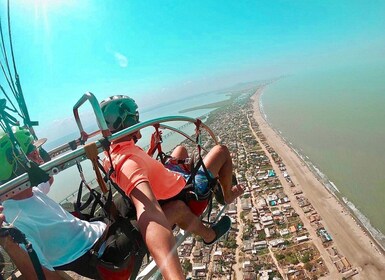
column 69, row 154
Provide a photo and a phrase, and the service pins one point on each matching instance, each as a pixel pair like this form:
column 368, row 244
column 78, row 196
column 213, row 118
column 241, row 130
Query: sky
column 156, row 51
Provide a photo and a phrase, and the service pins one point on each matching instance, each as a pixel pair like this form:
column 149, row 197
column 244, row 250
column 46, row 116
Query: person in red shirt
column 147, row 181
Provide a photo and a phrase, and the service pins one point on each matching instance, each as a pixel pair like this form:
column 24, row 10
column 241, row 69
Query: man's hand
column 156, row 138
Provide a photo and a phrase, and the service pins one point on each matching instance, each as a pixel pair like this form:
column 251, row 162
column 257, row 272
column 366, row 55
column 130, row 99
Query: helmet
column 7, row 155
column 120, row 112
column 24, row 138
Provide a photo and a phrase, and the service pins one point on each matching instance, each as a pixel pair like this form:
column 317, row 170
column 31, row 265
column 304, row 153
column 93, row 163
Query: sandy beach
column 351, row 240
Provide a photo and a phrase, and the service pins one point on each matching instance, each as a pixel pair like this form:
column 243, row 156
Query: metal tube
column 69, row 159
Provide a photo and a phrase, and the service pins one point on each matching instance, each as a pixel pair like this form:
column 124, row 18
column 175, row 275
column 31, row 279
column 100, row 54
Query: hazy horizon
column 154, row 51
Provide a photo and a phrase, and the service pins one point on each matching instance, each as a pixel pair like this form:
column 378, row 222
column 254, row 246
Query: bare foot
column 236, row 191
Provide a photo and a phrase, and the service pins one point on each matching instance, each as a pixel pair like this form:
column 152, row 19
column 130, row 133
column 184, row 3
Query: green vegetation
column 261, row 235
column 230, row 242
column 243, row 215
column 280, row 257
column 186, row 266
column 262, row 252
column 291, row 258
column 306, row 258
column 308, row 266
column 257, row 267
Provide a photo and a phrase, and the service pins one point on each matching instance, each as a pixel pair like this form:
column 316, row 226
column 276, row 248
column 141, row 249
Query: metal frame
column 67, row 160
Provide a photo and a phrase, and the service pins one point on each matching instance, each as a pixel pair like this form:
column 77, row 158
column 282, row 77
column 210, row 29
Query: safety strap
column 200, row 163
column 92, row 154
column 161, row 156
column 107, row 177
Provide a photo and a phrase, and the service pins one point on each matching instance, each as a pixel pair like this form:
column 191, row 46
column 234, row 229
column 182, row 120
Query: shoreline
column 214, row 105
column 350, row 236
column 330, row 186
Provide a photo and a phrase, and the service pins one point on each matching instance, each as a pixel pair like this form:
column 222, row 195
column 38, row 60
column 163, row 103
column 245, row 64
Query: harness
column 130, row 265
column 190, row 191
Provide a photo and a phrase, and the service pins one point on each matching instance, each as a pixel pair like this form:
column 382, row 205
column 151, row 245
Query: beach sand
column 350, row 239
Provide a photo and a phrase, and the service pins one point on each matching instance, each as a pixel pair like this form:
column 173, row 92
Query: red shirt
column 133, row 166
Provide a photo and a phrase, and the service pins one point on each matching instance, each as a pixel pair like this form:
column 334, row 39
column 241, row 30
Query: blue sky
column 160, row 50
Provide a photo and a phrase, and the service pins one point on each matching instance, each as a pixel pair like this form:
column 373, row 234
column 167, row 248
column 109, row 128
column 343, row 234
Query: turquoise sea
column 335, row 118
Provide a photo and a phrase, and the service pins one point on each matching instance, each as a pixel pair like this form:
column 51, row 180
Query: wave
column 334, row 186
column 375, row 233
column 261, row 107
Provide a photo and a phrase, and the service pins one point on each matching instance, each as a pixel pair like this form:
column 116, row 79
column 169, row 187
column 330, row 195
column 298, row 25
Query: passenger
column 61, row 241
column 146, row 181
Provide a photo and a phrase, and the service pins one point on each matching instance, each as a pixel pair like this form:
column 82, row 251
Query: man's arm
column 22, row 261
column 156, row 232
column 20, row 257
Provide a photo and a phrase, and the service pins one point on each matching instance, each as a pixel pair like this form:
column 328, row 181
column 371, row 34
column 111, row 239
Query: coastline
column 214, row 105
column 350, row 236
column 377, row 236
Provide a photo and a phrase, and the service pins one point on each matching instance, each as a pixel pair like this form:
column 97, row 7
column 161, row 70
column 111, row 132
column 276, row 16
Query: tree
column 186, row 266
column 280, row 257
column 261, row 235
column 305, row 258
column 230, row 242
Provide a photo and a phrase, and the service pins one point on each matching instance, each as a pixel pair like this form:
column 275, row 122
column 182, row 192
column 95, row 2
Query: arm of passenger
column 156, row 231
column 20, row 257
column 22, row 261
column 155, row 140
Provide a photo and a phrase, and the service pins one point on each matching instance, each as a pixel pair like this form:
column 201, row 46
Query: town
column 276, row 233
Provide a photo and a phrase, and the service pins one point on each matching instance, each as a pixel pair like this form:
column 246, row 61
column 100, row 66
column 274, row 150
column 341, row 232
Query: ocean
column 335, row 119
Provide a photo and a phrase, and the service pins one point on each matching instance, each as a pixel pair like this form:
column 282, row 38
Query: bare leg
column 219, row 162
column 180, row 152
column 156, row 232
column 177, row 212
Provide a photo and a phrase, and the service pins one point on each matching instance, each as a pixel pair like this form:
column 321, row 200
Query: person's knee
column 180, row 206
column 181, row 148
column 222, row 149
column 175, row 211
column 176, row 207
column 180, row 152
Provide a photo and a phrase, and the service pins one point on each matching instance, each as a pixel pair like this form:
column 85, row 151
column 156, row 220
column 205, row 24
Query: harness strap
column 95, row 249
column 107, row 177
column 92, row 154
column 161, row 156
column 212, row 181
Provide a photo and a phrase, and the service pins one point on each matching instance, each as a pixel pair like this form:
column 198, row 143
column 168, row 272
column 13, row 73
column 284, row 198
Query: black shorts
column 122, row 240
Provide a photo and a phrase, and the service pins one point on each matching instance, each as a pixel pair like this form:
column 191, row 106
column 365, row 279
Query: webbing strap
column 111, row 183
column 200, row 162
column 161, row 156
column 92, row 154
